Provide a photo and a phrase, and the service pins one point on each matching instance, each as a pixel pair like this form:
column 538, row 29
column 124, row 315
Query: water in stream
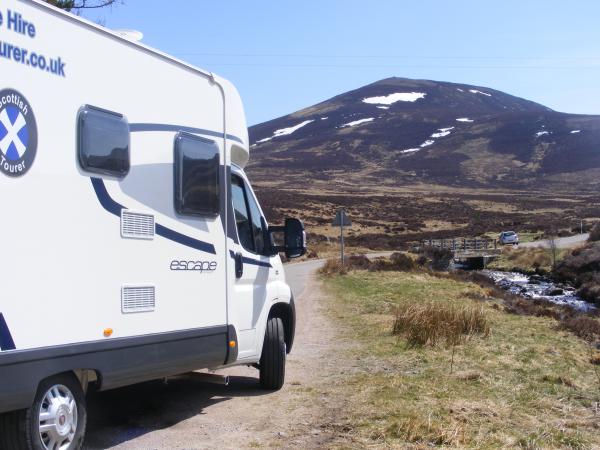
column 535, row 287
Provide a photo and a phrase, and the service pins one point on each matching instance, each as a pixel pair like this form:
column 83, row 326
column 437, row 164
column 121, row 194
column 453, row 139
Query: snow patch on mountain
column 427, row 143
column 393, row 98
column 443, row 132
column 575, row 131
column 541, row 133
column 285, row 131
column 475, row 91
column 383, row 107
column 357, row 122
column 465, row 119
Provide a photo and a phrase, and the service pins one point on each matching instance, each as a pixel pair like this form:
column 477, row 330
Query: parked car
column 508, row 237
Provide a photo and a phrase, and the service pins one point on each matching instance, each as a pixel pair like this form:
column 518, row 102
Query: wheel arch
column 287, row 313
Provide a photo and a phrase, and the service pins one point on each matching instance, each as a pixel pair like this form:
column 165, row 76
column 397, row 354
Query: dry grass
column 415, row 429
column 331, row 267
column 585, row 327
column 432, row 323
column 527, row 385
column 396, row 262
column 527, row 259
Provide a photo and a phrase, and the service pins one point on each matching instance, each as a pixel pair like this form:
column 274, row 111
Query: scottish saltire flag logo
column 13, row 133
column 18, row 133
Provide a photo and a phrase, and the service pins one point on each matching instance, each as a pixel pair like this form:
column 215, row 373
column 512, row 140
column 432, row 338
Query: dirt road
column 188, row 413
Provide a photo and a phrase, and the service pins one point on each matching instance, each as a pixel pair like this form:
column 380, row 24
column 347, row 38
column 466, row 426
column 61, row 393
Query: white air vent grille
column 137, row 225
column 138, row 299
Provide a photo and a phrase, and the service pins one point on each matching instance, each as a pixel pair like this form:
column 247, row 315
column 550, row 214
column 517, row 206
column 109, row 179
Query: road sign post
column 342, row 220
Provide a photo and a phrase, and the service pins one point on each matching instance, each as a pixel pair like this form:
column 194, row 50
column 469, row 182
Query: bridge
column 474, row 253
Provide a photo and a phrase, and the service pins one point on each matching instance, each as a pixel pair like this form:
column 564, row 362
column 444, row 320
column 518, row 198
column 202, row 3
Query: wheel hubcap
column 58, row 418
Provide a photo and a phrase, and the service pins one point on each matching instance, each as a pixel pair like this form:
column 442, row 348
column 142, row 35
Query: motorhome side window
column 258, row 230
column 247, row 217
column 103, row 142
column 242, row 215
column 196, row 176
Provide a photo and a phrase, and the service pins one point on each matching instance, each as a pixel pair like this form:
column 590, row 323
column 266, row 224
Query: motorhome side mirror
column 294, row 238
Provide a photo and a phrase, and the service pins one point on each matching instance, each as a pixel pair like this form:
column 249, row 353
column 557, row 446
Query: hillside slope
column 411, row 159
column 400, row 130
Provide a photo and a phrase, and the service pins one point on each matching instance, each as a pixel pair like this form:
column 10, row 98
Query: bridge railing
column 462, row 245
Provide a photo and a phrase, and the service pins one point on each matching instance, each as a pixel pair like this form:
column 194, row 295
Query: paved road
column 297, row 274
column 566, row 242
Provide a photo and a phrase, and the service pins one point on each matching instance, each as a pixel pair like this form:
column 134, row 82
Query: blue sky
column 285, row 55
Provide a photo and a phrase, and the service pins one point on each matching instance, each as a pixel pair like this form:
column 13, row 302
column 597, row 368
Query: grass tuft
column 558, row 379
column 416, row 429
column 332, row 267
column 432, row 323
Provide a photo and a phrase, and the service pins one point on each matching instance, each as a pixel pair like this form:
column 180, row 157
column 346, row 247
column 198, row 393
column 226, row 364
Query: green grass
column 526, row 385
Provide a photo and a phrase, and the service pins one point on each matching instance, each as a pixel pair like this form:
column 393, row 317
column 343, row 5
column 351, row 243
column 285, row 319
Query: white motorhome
column 133, row 247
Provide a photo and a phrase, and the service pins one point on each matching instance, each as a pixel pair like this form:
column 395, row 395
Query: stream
column 537, row 287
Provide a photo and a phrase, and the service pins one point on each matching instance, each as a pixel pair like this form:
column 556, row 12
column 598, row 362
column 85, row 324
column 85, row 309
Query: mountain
column 491, row 157
column 402, row 130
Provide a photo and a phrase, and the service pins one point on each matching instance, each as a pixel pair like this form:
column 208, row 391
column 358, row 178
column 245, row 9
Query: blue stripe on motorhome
column 139, row 127
column 6, row 340
column 105, row 199
column 253, row 262
column 185, row 240
column 115, row 208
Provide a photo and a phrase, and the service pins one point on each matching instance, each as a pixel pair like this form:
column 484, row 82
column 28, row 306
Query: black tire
column 19, row 430
column 12, row 431
column 272, row 359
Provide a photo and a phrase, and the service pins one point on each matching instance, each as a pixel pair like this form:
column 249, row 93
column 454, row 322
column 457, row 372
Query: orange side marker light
column 108, row 332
